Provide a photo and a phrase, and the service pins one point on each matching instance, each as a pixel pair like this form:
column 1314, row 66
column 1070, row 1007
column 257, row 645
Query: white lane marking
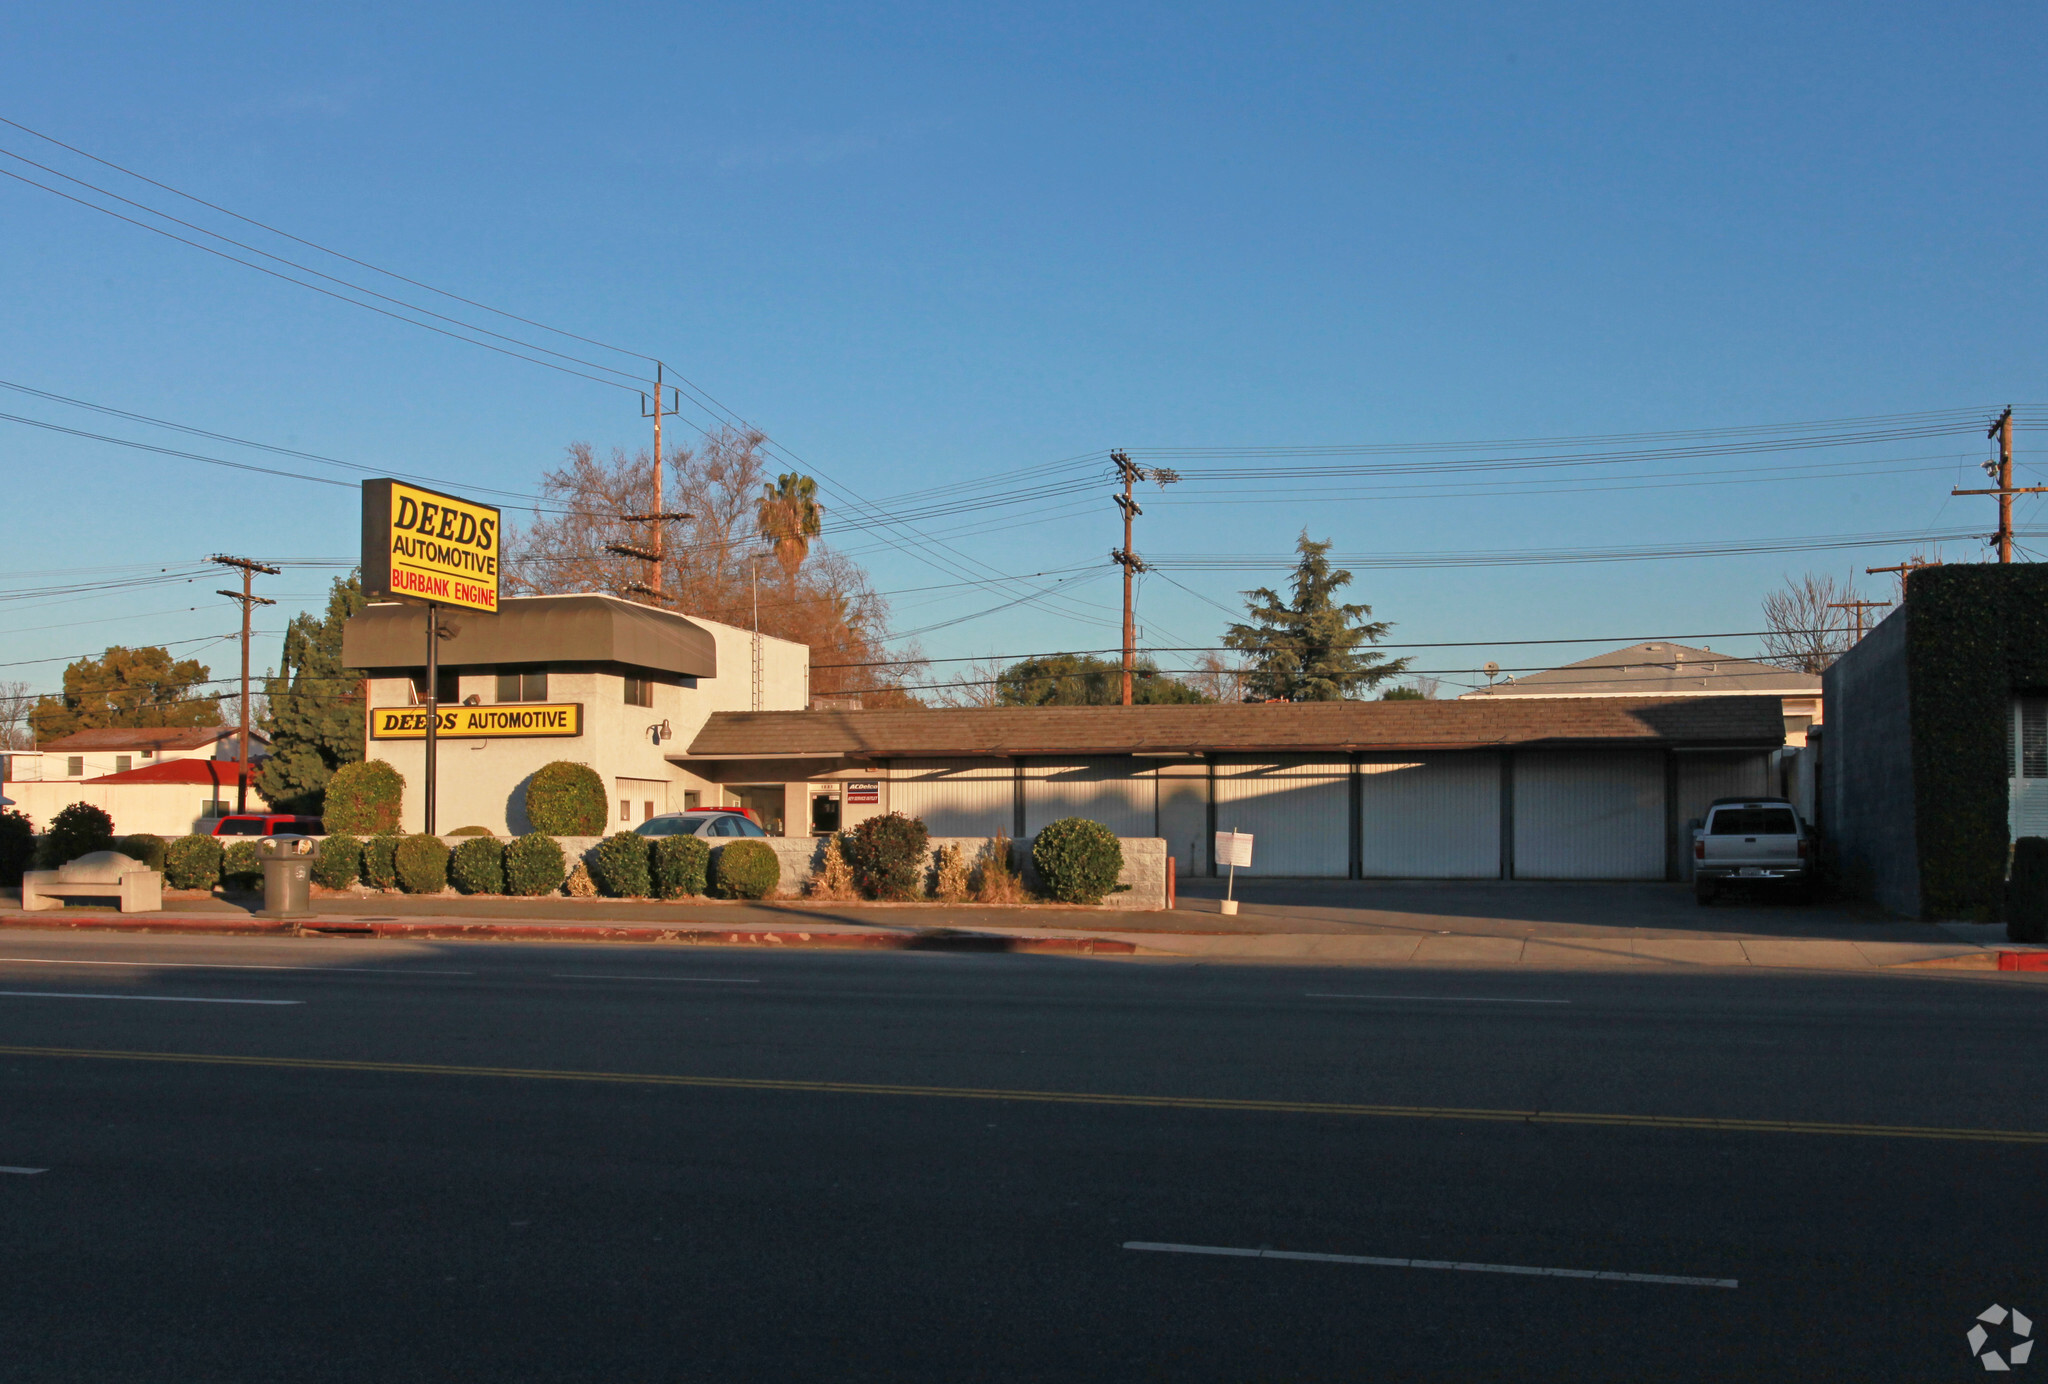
column 691, row 980
column 24, row 1172
column 1376, row 1261
column 161, row 999
column 225, row 966
column 1448, row 999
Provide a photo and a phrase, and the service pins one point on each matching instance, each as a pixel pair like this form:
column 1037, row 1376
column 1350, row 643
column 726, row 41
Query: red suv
column 268, row 824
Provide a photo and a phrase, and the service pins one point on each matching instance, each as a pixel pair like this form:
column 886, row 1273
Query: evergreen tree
column 127, row 688
column 1084, row 680
column 1307, row 649
column 315, row 717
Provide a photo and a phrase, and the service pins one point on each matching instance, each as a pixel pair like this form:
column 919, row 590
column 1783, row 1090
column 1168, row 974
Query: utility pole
column 2001, row 428
column 1859, row 607
column 1904, row 569
column 652, row 553
column 250, row 600
column 754, row 569
column 1126, row 557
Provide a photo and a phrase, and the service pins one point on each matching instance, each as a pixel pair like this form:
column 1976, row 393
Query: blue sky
column 924, row 244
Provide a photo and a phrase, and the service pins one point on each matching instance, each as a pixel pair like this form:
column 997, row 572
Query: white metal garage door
column 1430, row 816
column 1115, row 792
column 955, row 797
column 1298, row 811
column 1581, row 815
column 1705, row 777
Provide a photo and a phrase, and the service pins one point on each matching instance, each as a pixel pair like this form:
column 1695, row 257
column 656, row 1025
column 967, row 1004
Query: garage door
column 1298, row 811
column 1705, row 777
column 955, row 797
column 1115, row 792
column 1589, row 816
column 1430, row 816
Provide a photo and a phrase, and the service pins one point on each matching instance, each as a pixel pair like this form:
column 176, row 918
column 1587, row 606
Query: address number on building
column 478, row 722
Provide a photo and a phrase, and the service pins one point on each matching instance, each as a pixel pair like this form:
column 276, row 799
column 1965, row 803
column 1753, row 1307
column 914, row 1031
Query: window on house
column 213, row 807
column 522, row 687
column 447, row 684
column 625, row 810
column 149, row 754
column 2033, row 737
column 123, row 763
column 639, row 692
column 74, row 767
column 691, row 801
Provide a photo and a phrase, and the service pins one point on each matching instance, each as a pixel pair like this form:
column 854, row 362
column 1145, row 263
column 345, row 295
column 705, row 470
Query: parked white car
column 1751, row 840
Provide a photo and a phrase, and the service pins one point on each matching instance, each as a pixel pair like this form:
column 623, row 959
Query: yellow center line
column 870, row 1088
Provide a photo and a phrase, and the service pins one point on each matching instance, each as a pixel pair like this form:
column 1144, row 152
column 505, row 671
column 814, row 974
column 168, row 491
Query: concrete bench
column 100, row 875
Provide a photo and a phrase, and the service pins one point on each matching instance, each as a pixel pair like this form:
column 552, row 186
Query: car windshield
column 1754, row 821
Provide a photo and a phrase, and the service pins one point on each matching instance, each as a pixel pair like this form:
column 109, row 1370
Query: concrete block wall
column 1867, row 812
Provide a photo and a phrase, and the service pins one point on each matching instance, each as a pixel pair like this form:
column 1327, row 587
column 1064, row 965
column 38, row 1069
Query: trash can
column 287, row 876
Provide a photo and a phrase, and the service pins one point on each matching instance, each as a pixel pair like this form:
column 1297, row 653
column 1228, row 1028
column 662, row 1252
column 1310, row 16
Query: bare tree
column 15, row 705
column 1807, row 632
column 1219, row 677
column 979, row 685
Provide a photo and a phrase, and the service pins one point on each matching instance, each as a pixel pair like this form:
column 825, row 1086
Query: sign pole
column 433, row 704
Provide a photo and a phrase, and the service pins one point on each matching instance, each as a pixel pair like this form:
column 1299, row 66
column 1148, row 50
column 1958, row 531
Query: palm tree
column 790, row 516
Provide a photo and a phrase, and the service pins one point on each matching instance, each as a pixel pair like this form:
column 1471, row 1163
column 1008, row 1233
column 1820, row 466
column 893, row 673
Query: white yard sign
column 1233, row 848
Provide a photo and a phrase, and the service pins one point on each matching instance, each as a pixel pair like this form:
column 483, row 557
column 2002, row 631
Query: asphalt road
column 454, row 1163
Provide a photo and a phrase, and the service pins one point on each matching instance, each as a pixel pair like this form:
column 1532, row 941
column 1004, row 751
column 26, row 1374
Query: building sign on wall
column 421, row 545
column 478, row 722
column 866, row 791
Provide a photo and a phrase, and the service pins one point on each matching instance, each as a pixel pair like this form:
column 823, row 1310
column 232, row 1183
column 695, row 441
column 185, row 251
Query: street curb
column 927, row 939
column 1981, row 961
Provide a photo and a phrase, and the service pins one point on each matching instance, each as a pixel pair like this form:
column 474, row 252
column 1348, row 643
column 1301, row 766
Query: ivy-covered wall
column 1977, row 633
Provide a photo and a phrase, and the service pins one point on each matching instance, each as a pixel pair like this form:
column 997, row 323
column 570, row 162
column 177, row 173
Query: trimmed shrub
column 622, row 866
column 2026, row 893
column 579, row 885
column 567, row 799
column 682, row 866
column 380, row 861
column 363, row 799
column 17, row 844
column 472, row 831
column 834, row 879
column 533, row 865
column 79, row 829
column 950, row 885
column 746, row 869
column 240, row 866
column 145, row 847
column 339, row 862
column 422, row 864
column 193, row 862
column 478, row 866
column 886, row 855
column 1078, row 859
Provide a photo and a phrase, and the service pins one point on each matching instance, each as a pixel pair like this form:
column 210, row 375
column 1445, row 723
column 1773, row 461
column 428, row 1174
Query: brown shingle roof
column 155, row 738
column 1291, row 728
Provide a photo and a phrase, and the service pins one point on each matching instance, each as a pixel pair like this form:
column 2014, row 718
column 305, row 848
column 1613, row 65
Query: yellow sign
column 422, row 545
column 478, row 722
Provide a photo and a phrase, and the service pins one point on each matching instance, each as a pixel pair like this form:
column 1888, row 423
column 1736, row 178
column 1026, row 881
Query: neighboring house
column 169, row 797
column 90, row 754
column 1665, row 669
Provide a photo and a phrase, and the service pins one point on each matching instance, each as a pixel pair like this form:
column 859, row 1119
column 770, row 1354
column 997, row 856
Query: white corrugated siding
column 1115, row 792
column 955, row 797
column 1297, row 810
column 1429, row 816
column 1703, row 778
column 1589, row 815
column 1184, row 814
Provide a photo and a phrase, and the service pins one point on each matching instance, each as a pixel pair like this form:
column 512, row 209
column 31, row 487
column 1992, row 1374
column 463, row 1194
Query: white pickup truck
column 1745, row 840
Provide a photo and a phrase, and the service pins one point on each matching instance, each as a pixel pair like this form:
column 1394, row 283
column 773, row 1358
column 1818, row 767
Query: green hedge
column 682, row 866
column 363, row 799
column 193, row 862
column 745, row 869
column 422, row 863
column 339, row 862
column 471, row 831
column 1975, row 634
column 241, row 867
column 478, row 866
column 145, row 847
column 1078, row 860
column 886, row 855
column 79, row 829
column 380, row 861
column 567, row 799
column 17, row 845
column 534, row 866
column 621, row 866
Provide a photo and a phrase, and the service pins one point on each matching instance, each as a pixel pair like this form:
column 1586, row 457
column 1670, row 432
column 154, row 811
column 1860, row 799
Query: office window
column 123, row 763
column 625, row 810
column 639, row 692
column 691, row 801
column 522, row 687
column 74, row 767
column 447, row 685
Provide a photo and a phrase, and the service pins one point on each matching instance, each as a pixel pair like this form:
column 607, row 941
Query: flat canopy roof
column 1292, row 728
column 534, row 629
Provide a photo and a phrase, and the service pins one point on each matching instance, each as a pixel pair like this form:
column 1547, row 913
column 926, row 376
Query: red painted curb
column 2023, row 961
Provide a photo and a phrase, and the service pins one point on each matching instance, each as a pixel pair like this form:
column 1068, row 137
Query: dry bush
column 994, row 878
column 951, row 885
column 834, row 880
column 580, row 885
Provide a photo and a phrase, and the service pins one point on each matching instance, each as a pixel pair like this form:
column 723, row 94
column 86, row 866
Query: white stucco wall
column 162, row 809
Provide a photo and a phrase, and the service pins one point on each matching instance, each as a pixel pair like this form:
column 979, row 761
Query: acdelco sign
column 422, row 545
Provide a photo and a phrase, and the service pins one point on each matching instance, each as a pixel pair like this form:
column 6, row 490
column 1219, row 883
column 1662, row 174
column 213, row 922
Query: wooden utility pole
column 1859, row 607
column 1904, row 569
column 250, row 600
column 1126, row 557
column 652, row 553
column 2001, row 428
